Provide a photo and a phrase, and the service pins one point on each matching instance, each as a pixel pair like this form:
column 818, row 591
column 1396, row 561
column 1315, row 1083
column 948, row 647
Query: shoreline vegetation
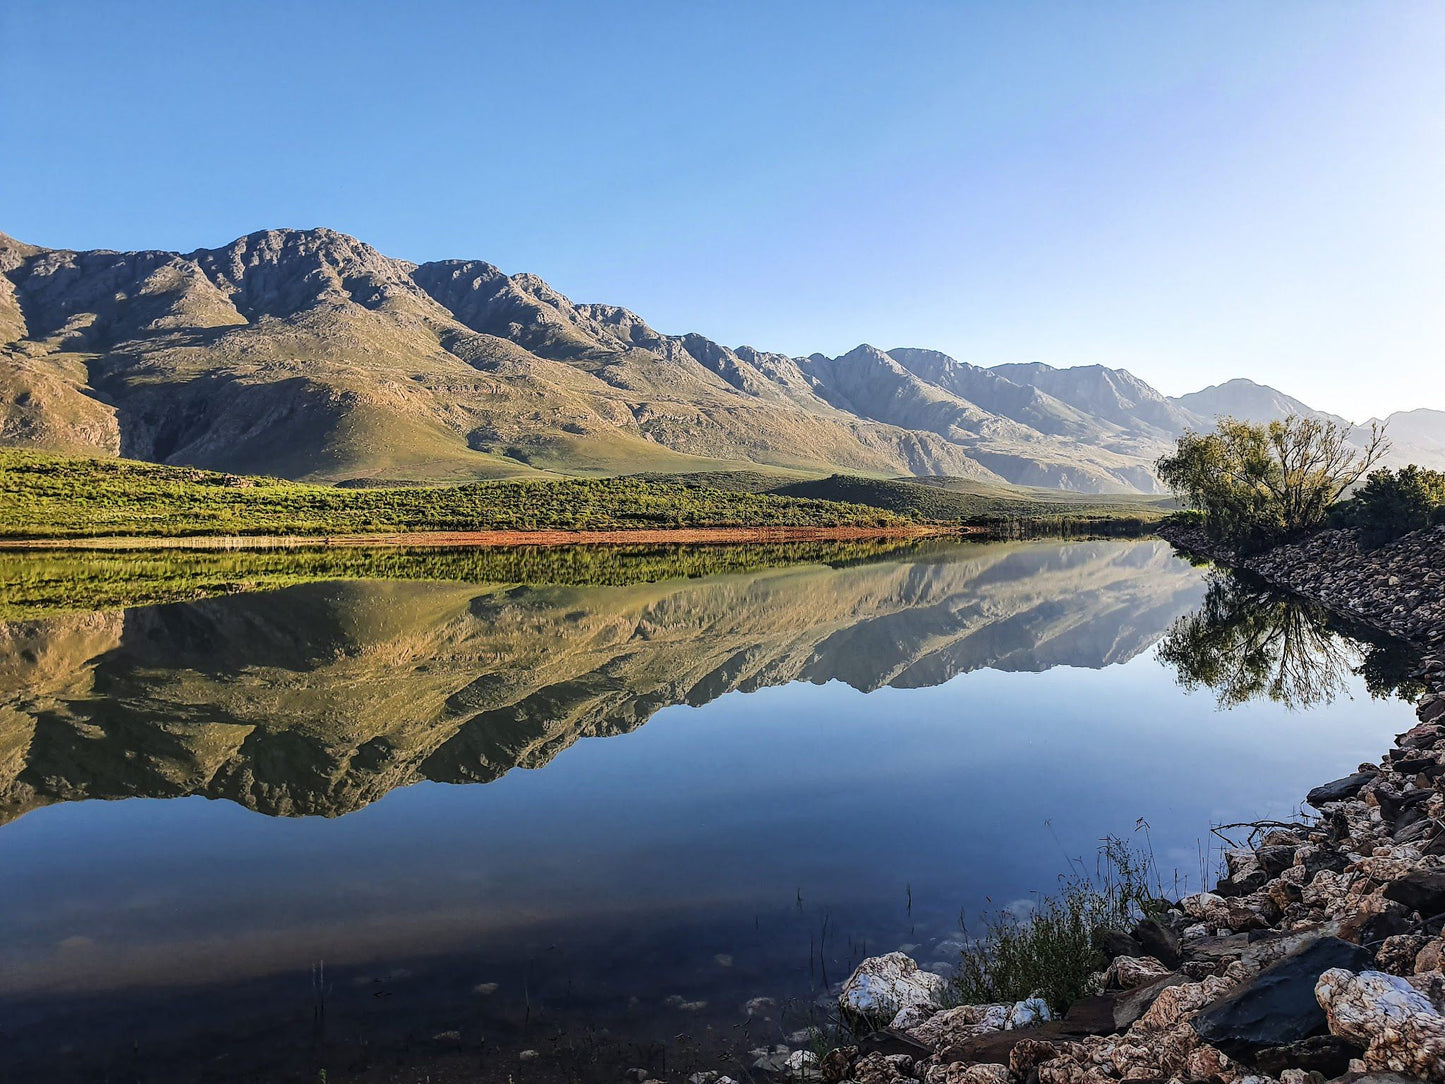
column 57, row 499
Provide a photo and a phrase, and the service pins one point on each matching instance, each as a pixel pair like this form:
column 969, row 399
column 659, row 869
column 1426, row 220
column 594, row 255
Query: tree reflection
column 1247, row 641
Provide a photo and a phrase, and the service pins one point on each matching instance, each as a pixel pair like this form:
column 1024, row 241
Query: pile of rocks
column 1398, row 588
column 1319, row 956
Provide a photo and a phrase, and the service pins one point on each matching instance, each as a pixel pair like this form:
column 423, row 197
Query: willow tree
column 1255, row 483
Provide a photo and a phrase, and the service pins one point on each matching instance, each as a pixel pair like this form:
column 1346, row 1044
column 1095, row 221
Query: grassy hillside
column 954, row 501
column 47, row 496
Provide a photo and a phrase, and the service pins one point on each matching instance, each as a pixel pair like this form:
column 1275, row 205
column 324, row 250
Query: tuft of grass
column 1050, row 951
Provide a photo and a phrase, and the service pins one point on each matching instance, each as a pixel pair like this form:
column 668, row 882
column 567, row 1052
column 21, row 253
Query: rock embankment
column 1318, row 956
column 1397, row 588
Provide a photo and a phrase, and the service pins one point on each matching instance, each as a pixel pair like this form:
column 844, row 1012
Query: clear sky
column 1189, row 191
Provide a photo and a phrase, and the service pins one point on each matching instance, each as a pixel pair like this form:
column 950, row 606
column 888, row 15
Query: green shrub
column 1392, row 503
column 1051, row 951
column 1257, row 484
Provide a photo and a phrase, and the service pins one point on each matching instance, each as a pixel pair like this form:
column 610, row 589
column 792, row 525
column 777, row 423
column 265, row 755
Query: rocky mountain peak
column 307, row 352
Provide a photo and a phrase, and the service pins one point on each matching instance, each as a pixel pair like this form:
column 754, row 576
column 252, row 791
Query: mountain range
column 309, row 354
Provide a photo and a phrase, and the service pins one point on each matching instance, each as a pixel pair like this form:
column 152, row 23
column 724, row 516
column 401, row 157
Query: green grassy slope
column 943, row 500
column 48, row 496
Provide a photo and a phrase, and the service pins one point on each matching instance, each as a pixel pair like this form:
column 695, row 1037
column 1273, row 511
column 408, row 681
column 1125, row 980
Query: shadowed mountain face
column 306, row 353
column 321, row 698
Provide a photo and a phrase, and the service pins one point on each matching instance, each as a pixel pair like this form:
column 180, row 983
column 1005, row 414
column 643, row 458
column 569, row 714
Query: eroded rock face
column 882, row 985
column 1399, row 1027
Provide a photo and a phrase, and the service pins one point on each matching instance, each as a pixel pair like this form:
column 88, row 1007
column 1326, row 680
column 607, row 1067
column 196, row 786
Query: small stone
column 802, row 1063
column 1128, row 972
column 1028, row 1013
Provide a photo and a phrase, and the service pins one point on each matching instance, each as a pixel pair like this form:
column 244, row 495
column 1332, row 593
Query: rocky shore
column 1317, row 957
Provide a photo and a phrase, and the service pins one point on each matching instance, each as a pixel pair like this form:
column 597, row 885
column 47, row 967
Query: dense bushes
column 1256, row 484
column 1392, row 503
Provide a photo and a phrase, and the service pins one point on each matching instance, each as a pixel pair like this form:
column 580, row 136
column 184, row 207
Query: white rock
column 952, row 1026
column 881, row 985
column 1201, row 904
column 1027, row 1013
column 910, row 1017
column 802, row 1063
column 1399, row 1026
column 1241, row 862
column 1127, row 972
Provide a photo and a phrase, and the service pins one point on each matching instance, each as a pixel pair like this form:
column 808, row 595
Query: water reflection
column 1247, row 641
column 322, row 697
column 869, row 742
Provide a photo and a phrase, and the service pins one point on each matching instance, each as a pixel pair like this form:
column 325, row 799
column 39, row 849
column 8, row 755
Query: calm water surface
column 377, row 813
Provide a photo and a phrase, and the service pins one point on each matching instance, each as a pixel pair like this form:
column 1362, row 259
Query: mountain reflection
column 322, row 697
column 1248, row 641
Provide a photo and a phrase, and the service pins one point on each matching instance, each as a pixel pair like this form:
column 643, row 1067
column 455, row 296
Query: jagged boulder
column 947, row 1029
column 1278, row 1006
column 1339, row 789
column 1130, row 972
column 1398, row 1026
column 1157, row 940
column 1421, row 890
column 882, row 985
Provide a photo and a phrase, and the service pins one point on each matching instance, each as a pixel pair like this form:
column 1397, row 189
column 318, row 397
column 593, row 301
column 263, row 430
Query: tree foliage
column 1392, row 503
column 1255, row 483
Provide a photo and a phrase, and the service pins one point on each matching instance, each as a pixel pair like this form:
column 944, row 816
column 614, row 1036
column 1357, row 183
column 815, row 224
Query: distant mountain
column 308, row 354
column 1115, row 396
column 1416, row 436
column 1242, row 398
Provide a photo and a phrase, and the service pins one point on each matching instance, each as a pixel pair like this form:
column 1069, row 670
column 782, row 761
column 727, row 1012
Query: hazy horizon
column 1191, row 194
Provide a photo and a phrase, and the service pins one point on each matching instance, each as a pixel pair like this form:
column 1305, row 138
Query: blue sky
column 1190, row 191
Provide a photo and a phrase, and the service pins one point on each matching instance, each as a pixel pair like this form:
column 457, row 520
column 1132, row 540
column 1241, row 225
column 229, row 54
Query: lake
column 413, row 818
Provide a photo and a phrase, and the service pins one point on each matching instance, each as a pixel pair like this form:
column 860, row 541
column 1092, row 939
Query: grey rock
column 1339, row 789
column 1277, row 1007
